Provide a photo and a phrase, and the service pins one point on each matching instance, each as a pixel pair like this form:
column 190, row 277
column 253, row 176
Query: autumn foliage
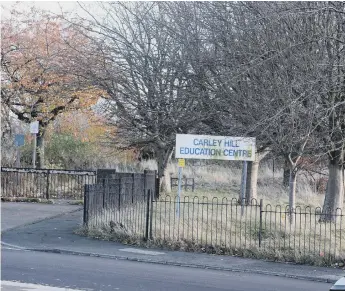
column 38, row 81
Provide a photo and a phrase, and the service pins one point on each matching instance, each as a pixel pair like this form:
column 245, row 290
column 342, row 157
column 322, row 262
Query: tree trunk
column 334, row 196
column 252, row 176
column 40, row 148
column 163, row 157
column 292, row 193
column 286, row 173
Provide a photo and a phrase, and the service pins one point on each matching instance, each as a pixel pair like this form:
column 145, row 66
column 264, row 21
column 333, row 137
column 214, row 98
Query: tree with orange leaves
column 37, row 83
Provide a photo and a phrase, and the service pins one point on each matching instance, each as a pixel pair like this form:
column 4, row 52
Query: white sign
column 189, row 146
column 34, row 127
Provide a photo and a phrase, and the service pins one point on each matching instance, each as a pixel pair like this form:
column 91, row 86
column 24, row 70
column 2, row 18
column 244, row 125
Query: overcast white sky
column 51, row 6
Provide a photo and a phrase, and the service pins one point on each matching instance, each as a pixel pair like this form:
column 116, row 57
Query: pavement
column 14, row 214
column 55, row 234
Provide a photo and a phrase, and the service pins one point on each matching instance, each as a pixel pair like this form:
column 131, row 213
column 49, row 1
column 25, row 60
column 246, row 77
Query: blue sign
column 19, row 140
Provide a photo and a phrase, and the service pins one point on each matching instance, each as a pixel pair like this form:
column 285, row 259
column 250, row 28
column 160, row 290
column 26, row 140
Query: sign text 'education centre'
column 209, row 147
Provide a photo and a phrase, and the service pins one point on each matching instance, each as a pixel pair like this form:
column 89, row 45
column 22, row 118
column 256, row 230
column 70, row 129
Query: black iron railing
column 220, row 224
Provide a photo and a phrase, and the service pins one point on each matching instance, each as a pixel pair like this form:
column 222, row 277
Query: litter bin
column 339, row 285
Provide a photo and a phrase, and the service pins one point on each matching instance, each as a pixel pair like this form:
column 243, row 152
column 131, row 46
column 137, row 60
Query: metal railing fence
column 219, row 224
column 45, row 183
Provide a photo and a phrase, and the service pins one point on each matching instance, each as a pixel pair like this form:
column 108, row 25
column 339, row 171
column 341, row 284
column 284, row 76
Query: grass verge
column 28, row 200
column 226, row 227
column 119, row 233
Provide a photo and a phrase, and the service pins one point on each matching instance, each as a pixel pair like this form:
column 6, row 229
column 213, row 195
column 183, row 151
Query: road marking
column 139, row 251
column 34, row 287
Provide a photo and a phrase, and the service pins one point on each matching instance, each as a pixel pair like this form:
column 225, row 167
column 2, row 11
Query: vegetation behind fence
column 216, row 225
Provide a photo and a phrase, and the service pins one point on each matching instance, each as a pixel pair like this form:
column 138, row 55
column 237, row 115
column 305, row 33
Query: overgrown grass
column 222, row 226
column 324, row 259
column 224, row 180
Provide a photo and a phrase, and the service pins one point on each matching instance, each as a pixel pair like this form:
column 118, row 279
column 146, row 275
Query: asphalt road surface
column 91, row 273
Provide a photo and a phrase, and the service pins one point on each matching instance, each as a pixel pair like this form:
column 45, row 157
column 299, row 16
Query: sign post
column 181, row 164
column 18, row 141
column 243, row 186
column 34, row 130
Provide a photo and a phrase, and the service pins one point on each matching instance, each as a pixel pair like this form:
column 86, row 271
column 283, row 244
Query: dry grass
column 219, row 226
column 224, row 180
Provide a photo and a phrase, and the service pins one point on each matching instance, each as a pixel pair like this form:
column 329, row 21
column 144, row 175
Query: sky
column 51, row 6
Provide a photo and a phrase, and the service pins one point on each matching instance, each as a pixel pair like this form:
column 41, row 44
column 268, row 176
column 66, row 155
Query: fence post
column 47, row 188
column 86, row 205
column 151, row 216
column 185, row 184
column 147, row 214
column 243, row 187
column 120, row 190
column 133, row 187
column 157, row 186
column 145, row 183
column 105, row 191
column 193, row 185
column 260, row 222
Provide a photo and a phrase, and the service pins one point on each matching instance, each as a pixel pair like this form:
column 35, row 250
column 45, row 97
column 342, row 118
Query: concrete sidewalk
column 56, row 235
column 14, row 214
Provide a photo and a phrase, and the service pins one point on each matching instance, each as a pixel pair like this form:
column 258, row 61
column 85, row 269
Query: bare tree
column 239, row 73
column 316, row 29
column 328, row 20
column 312, row 36
column 146, row 76
column 269, row 70
column 266, row 62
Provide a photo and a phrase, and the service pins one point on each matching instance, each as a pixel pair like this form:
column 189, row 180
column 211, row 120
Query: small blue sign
column 19, row 140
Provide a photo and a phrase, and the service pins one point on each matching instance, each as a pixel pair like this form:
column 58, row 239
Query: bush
column 65, row 151
column 26, row 155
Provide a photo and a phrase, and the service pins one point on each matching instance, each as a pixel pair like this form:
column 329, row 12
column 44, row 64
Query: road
column 92, row 273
